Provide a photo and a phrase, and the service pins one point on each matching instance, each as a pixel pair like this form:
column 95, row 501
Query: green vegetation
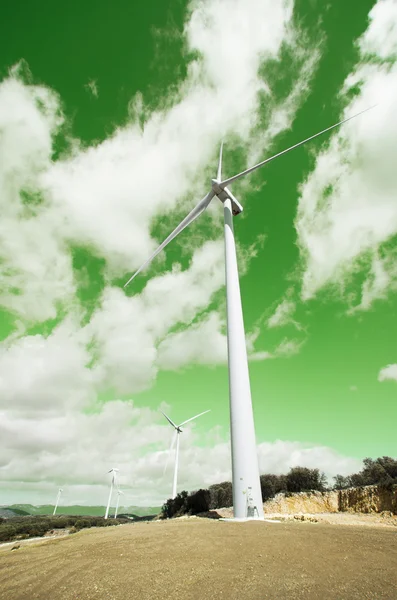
column 94, row 511
column 18, row 528
column 382, row 471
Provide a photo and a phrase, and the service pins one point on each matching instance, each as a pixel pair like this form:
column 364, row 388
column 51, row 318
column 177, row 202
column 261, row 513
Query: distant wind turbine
column 119, row 493
column 112, row 484
column 57, row 500
column 247, row 496
column 175, row 437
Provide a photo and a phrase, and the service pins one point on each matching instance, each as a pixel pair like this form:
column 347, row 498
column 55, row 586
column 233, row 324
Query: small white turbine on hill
column 119, row 493
column 247, row 497
column 175, row 437
column 57, row 500
column 112, row 484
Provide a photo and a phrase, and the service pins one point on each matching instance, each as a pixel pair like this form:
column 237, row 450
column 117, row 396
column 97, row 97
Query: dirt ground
column 191, row 559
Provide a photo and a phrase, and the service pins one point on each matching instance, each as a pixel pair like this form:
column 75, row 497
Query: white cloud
column 381, row 280
column 202, row 343
column 280, row 456
column 288, row 347
column 106, row 198
column 102, row 196
column 205, row 343
column 35, row 266
column 76, row 451
column 127, row 330
column 46, row 375
column 388, row 373
column 348, row 205
column 283, row 314
column 92, row 87
column 105, row 193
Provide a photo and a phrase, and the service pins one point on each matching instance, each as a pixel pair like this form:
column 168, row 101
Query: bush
column 302, row 479
column 7, row 532
column 38, row 525
column 341, row 483
column 221, row 495
column 272, row 485
column 382, row 471
column 198, row 502
column 82, row 523
column 175, row 506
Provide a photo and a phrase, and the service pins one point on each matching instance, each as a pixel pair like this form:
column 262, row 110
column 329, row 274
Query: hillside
column 94, row 511
column 206, row 559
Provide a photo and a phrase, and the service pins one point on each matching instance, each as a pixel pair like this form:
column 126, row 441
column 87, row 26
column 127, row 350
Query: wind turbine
column 57, row 500
column 178, row 430
column 247, row 496
column 119, row 492
column 112, row 484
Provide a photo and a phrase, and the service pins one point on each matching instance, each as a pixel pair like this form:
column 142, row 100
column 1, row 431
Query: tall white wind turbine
column 175, row 437
column 119, row 493
column 247, row 497
column 57, row 500
column 112, row 484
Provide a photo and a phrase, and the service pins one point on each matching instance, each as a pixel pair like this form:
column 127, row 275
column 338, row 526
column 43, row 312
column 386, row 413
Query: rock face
column 303, row 502
column 368, row 499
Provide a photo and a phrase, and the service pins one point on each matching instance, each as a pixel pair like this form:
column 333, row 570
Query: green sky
column 123, row 73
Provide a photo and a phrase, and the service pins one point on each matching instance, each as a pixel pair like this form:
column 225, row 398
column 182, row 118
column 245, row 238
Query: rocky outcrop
column 368, row 499
column 302, row 502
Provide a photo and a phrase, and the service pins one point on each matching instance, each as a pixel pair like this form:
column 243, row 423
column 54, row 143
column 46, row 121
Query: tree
column 302, row 479
column 341, row 483
column 221, row 495
column 175, row 506
column 198, row 502
column 272, row 485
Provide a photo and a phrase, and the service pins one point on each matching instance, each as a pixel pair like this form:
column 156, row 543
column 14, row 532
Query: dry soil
column 206, row 559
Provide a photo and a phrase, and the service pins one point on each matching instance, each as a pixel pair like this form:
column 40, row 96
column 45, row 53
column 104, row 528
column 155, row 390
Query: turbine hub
column 223, row 193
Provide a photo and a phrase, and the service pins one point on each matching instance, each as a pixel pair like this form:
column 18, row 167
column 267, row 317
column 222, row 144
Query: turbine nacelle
column 223, row 193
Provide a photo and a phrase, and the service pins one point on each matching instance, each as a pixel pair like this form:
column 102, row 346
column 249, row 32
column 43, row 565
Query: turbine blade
column 203, row 413
column 170, row 450
column 219, row 174
column 197, row 210
column 168, row 419
column 264, row 162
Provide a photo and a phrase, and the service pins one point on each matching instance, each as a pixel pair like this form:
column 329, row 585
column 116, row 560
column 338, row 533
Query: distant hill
column 95, row 511
column 8, row 513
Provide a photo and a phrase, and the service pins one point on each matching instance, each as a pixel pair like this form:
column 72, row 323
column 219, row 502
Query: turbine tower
column 57, row 500
column 119, row 492
column 247, row 496
column 175, row 437
column 112, row 484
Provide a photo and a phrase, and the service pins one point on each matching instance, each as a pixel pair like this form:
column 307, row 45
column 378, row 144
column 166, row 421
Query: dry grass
column 206, row 559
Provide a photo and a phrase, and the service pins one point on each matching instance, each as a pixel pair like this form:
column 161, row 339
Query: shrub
column 221, row 495
column 198, row 502
column 302, row 479
column 382, row 471
column 175, row 506
column 272, row 485
column 7, row 532
column 341, row 483
column 82, row 523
